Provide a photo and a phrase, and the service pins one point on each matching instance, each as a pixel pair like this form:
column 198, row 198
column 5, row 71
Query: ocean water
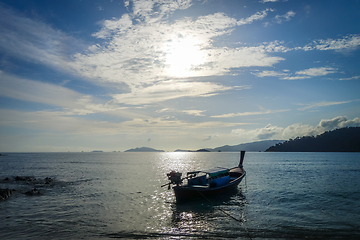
column 118, row 195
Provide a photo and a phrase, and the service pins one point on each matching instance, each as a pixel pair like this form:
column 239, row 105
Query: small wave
column 172, row 234
column 285, row 233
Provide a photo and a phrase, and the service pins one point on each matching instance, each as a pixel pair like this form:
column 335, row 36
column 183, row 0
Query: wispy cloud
column 34, row 41
column 350, row 78
column 267, row 73
column 70, row 102
column 57, row 122
column 207, row 139
column 265, row 1
column 255, row 17
column 303, row 74
column 194, row 112
column 322, row 71
column 36, row 91
column 323, row 104
column 311, row 72
column 230, row 115
column 167, row 90
column 346, row 43
column 285, row 17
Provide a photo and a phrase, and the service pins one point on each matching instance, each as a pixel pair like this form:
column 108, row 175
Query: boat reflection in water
column 206, row 183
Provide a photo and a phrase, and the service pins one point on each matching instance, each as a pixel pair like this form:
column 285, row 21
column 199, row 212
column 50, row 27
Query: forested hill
column 339, row 140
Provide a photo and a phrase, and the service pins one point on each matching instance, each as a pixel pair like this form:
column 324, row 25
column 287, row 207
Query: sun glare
column 183, row 56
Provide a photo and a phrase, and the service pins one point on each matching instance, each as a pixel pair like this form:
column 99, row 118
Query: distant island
column 200, row 150
column 144, row 149
column 339, row 140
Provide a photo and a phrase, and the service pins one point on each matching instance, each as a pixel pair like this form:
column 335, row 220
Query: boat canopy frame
column 212, row 171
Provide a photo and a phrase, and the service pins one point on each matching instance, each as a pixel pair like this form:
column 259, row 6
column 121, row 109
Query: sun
column 183, row 57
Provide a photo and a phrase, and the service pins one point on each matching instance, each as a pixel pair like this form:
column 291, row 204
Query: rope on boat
column 228, row 214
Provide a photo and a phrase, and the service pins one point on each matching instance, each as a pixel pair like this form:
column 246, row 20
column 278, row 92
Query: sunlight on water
column 118, row 195
column 177, row 161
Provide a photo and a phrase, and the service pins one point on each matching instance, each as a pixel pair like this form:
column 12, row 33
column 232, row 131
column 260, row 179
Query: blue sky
column 113, row 75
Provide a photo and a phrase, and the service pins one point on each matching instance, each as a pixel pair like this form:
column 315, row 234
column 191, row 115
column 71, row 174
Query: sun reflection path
column 201, row 219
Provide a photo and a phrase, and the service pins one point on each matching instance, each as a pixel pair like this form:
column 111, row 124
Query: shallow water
column 118, row 195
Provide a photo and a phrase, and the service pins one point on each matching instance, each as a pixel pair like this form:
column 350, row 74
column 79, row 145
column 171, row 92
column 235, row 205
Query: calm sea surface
column 118, row 195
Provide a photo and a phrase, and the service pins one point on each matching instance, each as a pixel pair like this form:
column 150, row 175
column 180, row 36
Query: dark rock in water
column 33, row 192
column 6, row 179
column 49, row 181
column 4, row 194
column 26, row 178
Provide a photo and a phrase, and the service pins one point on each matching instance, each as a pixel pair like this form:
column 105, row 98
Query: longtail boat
column 206, row 183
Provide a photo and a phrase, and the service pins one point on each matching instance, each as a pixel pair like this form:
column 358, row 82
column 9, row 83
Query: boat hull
column 189, row 193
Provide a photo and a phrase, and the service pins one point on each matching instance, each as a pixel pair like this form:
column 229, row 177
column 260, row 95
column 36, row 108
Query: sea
column 99, row 195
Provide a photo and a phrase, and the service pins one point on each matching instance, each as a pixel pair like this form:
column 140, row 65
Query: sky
column 185, row 74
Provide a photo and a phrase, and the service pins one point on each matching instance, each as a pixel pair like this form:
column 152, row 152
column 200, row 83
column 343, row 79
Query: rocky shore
column 5, row 193
column 31, row 185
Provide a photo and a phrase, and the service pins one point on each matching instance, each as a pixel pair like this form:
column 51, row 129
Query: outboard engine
column 175, row 177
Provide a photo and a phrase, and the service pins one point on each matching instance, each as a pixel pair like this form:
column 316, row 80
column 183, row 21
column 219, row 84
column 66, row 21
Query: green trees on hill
column 339, row 140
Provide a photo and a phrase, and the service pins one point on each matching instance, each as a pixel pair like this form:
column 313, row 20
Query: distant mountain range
column 339, row 140
column 250, row 147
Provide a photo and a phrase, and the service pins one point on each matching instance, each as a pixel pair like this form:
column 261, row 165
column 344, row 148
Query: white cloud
column 141, row 53
column 297, row 129
column 339, row 122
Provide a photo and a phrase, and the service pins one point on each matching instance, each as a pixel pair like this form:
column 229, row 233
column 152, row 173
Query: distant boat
column 206, row 183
